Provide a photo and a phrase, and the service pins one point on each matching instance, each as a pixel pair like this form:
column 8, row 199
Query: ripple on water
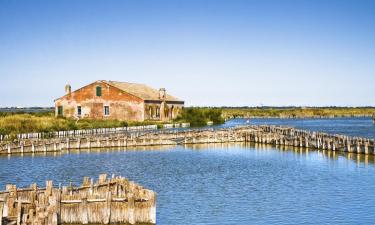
column 224, row 184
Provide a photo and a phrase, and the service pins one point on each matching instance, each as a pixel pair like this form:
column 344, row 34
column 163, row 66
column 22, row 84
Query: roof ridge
column 113, row 81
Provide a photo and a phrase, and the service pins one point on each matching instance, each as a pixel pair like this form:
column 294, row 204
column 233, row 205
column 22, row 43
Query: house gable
column 108, row 93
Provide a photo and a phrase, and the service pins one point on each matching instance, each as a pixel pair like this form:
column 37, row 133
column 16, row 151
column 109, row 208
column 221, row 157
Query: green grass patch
column 16, row 123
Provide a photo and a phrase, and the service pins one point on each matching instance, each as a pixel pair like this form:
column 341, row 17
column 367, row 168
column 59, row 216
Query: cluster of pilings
column 316, row 140
column 107, row 201
column 286, row 136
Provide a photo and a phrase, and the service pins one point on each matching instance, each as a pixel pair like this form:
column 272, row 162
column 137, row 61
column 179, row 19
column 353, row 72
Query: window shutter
column 98, row 91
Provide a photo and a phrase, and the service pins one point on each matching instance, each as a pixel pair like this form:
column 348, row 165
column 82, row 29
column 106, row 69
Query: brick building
column 118, row 100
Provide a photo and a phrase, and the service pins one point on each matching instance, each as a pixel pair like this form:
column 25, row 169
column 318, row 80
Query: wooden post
column 19, row 212
column 107, row 218
column 84, row 216
column 12, row 189
column 131, row 204
column 306, row 142
column 49, row 186
column 348, row 143
column 54, row 219
column 153, row 208
column 22, row 147
column 1, row 212
column 102, row 178
column 366, row 147
column 358, row 147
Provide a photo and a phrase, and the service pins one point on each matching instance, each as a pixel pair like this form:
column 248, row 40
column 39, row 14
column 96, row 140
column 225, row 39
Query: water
column 227, row 183
column 362, row 127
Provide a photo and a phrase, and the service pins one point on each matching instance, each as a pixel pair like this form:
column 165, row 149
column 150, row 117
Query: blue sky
column 207, row 52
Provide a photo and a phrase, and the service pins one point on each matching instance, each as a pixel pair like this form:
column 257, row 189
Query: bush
column 200, row 116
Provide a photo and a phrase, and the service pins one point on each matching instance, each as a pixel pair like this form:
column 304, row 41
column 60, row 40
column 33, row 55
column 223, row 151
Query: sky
column 206, row 52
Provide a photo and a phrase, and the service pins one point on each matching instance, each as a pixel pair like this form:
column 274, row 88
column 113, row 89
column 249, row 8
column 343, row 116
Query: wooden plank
column 71, row 201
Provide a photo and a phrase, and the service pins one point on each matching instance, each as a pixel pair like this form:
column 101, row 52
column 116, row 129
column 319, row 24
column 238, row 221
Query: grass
column 21, row 122
column 15, row 123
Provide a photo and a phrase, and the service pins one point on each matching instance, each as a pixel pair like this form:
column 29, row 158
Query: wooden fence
column 91, row 132
column 274, row 135
column 114, row 200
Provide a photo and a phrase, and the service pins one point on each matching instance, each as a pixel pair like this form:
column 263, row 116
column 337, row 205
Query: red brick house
column 118, row 100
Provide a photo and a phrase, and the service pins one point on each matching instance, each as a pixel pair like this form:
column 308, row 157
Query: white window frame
column 105, row 112
column 78, row 111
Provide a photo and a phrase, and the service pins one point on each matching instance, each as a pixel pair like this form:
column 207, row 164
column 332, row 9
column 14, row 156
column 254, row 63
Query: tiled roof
column 140, row 90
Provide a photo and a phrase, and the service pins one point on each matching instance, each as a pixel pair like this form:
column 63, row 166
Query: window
column 157, row 112
column 106, row 110
column 59, row 110
column 79, row 110
column 98, row 91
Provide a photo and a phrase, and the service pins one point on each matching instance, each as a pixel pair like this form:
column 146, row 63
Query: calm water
column 362, row 127
column 224, row 184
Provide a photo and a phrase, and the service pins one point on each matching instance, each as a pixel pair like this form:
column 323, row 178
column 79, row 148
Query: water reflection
column 91, row 150
column 236, row 183
column 301, row 151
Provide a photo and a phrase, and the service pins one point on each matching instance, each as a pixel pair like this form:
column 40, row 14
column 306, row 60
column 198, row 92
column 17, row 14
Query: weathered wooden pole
column 131, row 205
column 1, row 212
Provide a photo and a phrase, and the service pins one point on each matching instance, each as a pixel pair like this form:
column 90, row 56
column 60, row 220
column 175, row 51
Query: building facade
column 118, row 100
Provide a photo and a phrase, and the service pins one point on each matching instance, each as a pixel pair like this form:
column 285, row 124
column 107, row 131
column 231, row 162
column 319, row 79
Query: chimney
column 68, row 89
column 162, row 93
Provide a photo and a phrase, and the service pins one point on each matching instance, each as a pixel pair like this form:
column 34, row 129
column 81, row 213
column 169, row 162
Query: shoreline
column 300, row 117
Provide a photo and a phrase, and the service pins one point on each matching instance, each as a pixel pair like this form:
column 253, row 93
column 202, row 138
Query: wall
column 123, row 106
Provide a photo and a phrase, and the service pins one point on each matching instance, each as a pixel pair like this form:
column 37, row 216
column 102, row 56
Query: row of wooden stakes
column 275, row 135
column 115, row 200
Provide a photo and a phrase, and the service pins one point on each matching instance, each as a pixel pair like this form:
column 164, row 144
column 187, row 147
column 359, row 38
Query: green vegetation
column 15, row 123
column 25, row 122
column 297, row 112
column 200, row 116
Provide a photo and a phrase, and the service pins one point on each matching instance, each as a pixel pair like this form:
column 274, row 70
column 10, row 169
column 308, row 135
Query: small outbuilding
column 118, row 100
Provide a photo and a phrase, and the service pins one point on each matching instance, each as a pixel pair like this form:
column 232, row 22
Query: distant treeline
column 18, row 110
column 297, row 112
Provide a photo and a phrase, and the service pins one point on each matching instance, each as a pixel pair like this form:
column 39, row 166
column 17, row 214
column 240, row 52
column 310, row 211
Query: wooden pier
column 115, row 200
column 285, row 136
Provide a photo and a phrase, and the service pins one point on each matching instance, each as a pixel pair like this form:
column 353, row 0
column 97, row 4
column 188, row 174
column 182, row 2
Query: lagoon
column 224, row 183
